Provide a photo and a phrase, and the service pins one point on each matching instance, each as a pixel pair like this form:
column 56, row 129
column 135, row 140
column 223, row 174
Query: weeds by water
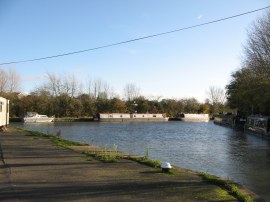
column 146, row 159
column 231, row 187
column 147, row 156
column 106, row 155
column 143, row 160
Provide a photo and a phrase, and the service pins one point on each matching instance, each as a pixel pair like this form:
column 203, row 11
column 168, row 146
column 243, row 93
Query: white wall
column 4, row 111
column 196, row 116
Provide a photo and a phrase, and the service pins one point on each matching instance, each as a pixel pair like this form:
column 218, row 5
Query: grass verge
column 229, row 186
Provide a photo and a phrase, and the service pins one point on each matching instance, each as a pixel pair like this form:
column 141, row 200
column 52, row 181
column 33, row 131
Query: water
column 202, row 147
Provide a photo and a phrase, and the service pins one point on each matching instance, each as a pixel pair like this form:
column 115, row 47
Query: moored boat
column 136, row 117
column 193, row 117
column 230, row 120
column 258, row 125
column 33, row 117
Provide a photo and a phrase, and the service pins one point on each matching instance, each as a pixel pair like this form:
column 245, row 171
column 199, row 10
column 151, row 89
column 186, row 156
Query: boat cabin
column 258, row 124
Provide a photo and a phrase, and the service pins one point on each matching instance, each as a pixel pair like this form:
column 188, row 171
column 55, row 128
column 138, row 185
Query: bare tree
column 67, row 84
column 131, row 92
column 3, row 80
column 88, row 84
column 97, row 88
column 54, row 85
column 13, row 83
column 70, row 85
column 216, row 95
column 217, row 99
column 257, row 50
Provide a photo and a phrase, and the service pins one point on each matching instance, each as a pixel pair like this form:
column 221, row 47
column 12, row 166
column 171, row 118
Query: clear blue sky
column 178, row 65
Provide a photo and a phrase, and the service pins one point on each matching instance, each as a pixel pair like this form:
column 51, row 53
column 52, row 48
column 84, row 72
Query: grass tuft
column 143, row 160
column 106, row 155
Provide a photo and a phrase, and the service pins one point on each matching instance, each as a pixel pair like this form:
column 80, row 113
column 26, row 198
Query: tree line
column 85, row 105
column 64, row 96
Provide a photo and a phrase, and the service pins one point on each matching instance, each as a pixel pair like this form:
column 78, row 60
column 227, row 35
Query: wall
column 4, row 111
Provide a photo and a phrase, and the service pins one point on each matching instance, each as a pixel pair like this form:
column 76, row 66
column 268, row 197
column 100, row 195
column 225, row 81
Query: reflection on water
column 198, row 146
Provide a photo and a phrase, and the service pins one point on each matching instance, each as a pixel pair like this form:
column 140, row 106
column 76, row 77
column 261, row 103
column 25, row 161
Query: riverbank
column 35, row 169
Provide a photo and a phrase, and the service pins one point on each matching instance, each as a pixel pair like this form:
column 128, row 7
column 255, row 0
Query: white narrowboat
column 125, row 117
column 193, row 117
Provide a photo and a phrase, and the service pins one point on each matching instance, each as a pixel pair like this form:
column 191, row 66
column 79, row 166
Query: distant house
column 4, row 112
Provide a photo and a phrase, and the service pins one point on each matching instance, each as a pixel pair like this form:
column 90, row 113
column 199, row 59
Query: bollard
column 166, row 167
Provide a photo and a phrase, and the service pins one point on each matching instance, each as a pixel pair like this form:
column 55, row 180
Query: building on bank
column 4, row 112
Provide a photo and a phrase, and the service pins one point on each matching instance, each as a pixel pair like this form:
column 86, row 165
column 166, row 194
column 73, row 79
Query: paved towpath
column 32, row 169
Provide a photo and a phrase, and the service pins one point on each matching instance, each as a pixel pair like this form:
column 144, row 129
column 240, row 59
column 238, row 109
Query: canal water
column 204, row 147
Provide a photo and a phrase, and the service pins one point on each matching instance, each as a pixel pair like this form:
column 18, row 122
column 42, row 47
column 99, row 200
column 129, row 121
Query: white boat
column 125, row 117
column 33, row 117
column 193, row 117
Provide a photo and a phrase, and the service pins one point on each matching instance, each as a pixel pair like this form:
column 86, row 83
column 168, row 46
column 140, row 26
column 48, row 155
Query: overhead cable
column 133, row 40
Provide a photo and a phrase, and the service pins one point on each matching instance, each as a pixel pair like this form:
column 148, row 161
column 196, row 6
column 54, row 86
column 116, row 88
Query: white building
column 4, row 112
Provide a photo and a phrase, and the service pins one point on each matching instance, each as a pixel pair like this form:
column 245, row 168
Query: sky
column 178, row 65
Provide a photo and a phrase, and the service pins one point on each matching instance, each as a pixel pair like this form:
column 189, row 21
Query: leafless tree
column 54, row 84
column 13, row 83
column 257, row 50
column 70, row 85
column 57, row 85
column 9, row 80
column 3, row 80
column 131, row 92
column 97, row 88
column 217, row 98
column 216, row 95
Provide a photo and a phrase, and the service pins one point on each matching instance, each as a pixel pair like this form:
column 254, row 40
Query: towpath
column 33, row 169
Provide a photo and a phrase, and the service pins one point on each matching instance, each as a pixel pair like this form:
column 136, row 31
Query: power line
column 136, row 39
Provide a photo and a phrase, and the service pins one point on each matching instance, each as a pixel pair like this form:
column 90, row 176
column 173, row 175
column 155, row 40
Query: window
column 154, row 115
column 1, row 106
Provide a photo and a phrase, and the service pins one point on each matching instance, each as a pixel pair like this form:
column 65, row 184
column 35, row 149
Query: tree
column 53, row 85
column 118, row 106
column 248, row 90
column 13, row 82
column 3, row 80
column 190, row 105
column 216, row 97
column 131, row 92
column 9, row 80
